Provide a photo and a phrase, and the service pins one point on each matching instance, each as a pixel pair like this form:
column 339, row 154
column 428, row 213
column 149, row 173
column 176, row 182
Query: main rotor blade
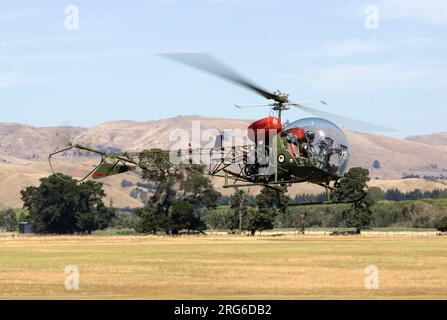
column 209, row 64
column 320, row 103
column 353, row 124
column 243, row 106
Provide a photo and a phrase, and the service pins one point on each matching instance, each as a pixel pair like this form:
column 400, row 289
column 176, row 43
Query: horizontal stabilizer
column 109, row 169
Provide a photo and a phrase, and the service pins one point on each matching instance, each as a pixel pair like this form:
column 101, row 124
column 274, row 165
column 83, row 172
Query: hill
column 24, row 150
column 397, row 157
column 437, row 139
column 17, row 174
column 423, row 155
column 33, row 143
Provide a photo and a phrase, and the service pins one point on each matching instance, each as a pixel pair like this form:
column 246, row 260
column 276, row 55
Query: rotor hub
column 281, row 97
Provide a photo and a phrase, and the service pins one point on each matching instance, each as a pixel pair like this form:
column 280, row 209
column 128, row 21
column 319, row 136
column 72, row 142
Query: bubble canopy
column 328, row 147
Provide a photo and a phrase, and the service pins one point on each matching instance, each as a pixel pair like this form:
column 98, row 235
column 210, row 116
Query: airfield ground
column 224, row 267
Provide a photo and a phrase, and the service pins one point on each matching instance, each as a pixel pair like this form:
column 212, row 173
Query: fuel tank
column 261, row 129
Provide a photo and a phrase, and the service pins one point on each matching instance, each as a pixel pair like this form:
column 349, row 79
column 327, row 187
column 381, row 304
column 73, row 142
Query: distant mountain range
column 417, row 155
column 24, row 151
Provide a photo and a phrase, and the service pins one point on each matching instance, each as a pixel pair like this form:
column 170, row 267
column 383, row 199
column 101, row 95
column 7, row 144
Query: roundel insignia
column 281, row 158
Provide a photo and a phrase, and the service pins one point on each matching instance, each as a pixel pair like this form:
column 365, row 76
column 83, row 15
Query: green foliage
column 239, row 210
column 252, row 218
column 200, row 190
column 260, row 220
column 182, row 216
column 9, row 220
column 323, row 216
column 182, row 194
column 151, row 221
column 376, row 194
column 420, row 213
column 404, row 214
column 125, row 220
column 209, row 198
column 22, row 215
column 220, row 218
column 270, row 199
column 61, row 207
column 351, row 187
column 115, row 232
column 309, row 198
column 225, row 201
column 397, row 195
column 270, row 203
column 442, row 224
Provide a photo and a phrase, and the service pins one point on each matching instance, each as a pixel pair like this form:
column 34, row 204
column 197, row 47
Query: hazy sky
column 391, row 71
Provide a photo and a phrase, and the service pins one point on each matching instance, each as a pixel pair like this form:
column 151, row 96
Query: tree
column 8, row 220
column 270, row 203
column 182, row 216
column 442, row 224
column 200, row 190
column 301, row 222
column 376, row 194
column 151, row 220
column 394, row 195
column 182, row 193
column 63, row 206
column 260, row 220
column 125, row 220
column 239, row 207
column 219, row 218
column 352, row 186
column 270, row 199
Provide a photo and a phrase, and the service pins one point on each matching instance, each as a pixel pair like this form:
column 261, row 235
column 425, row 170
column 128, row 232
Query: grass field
column 223, row 267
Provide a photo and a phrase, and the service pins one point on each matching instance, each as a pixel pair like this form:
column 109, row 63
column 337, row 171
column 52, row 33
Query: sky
column 84, row 62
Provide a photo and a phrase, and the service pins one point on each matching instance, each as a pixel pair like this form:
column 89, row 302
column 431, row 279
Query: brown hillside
column 28, row 142
column 396, row 156
column 16, row 174
column 438, row 139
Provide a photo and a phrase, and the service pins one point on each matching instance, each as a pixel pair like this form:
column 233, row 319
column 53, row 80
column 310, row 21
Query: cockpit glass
column 328, row 147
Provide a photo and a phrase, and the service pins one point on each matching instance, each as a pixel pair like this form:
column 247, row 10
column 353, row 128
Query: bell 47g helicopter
column 312, row 150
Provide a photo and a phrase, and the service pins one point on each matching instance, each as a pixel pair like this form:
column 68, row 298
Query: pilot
column 306, row 147
column 291, row 138
column 327, row 150
column 310, row 136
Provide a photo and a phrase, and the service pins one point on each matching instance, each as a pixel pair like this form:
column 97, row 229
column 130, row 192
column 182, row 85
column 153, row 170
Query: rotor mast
column 281, row 103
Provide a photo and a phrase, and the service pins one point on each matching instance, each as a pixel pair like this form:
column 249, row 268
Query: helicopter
column 310, row 150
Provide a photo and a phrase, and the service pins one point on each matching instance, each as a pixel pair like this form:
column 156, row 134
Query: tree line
column 378, row 194
column 184, row 200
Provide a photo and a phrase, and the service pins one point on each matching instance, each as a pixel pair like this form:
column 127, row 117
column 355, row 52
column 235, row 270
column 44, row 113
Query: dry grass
column 223, row 267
